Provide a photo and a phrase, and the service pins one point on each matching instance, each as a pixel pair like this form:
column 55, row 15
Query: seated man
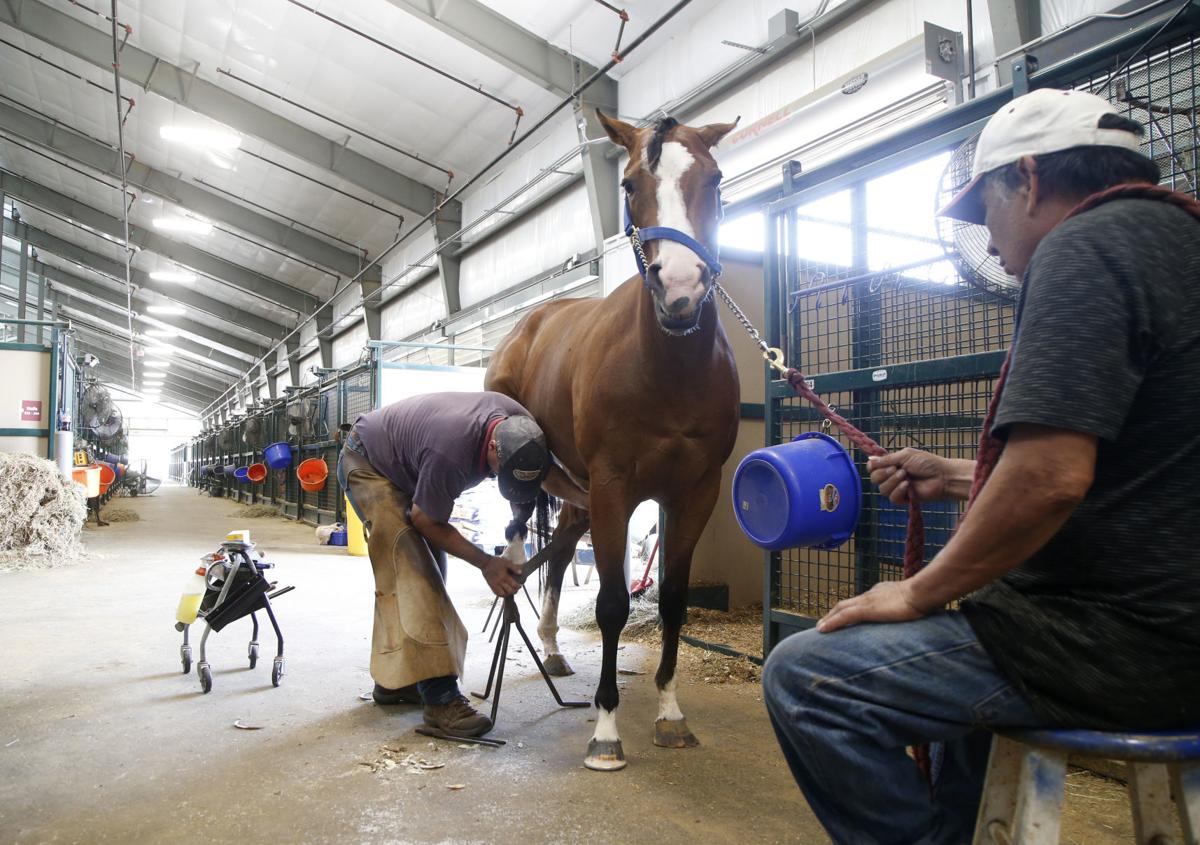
column 1075, row 565
column 402, row 467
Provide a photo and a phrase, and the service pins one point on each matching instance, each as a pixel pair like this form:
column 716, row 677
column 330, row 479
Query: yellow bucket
column 356, row 543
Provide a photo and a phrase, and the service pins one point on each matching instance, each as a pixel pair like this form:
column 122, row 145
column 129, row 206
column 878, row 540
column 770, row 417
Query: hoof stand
column 557, row 666
column 674, row 734
column 605, row 756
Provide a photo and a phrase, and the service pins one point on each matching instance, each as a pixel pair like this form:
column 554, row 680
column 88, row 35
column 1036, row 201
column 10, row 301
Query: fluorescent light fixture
column 173, row 276
column 158, row 365
column 200, row 138
column 161, row 333
column 167, row 310
column 187, row 225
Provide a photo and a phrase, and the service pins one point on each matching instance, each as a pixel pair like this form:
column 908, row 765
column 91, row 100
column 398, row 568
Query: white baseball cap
column 1040, row 122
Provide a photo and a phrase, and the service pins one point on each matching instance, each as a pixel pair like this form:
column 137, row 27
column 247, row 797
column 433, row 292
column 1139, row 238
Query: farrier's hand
column 912, row 470
column 502, row 575
column 887, row 601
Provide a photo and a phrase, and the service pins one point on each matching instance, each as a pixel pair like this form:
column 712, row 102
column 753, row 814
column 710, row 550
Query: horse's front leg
column 516, row 531
column 686, row 517
column 572, row 524
column 610, row 520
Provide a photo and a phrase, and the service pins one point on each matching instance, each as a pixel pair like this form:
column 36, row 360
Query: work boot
column 458, row 718
column 403, row 695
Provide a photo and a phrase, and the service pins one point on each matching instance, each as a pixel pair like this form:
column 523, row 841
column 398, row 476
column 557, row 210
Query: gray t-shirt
column 432, row 446
column 1101, row 627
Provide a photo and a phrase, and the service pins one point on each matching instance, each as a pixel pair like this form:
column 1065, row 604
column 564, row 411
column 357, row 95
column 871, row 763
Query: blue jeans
column 440, row 690
column 846, row 705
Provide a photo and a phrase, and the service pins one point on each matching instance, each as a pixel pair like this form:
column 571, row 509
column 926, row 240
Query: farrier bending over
column 402, row 467
column 1076, row 565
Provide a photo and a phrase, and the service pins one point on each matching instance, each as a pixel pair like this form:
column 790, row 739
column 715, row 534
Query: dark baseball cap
column 523, row 457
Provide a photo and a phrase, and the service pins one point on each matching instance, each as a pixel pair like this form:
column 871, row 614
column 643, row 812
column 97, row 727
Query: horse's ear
column 714, row 132
column 618, row 130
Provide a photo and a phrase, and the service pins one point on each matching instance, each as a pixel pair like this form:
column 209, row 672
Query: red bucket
column 312, row 474
column 257, row 473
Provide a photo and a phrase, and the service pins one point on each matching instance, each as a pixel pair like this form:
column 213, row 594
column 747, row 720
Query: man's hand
column 502, row 575
column 930, row 477
column 887, row 601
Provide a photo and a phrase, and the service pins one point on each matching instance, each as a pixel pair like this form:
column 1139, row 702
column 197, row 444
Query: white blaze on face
column 668, row 705
column 681, row 270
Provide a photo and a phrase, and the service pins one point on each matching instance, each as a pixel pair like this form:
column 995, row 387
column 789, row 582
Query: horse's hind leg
column 685, row 521
column 572, row 523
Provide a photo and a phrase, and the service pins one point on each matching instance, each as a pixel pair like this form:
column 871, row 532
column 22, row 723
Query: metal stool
column 1023, row 794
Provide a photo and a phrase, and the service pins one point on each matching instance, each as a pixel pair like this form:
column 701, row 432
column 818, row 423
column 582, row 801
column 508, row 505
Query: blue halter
column 665, row 233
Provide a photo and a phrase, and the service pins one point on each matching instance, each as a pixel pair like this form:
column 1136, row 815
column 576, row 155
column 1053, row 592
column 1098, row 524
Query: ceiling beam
column 172, row 393
column 116, row 300
column 112, row 355
column 22, row 189
column 187, row 88
column 198, row 353
column 54, row 136
column 209, row 335
column 488, row 32
column 203, row 372
column 71, row 251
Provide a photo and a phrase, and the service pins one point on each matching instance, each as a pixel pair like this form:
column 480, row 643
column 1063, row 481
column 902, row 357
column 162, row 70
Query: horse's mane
column 654, row 147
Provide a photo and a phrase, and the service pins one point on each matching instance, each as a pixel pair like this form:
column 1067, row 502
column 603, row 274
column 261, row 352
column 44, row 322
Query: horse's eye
column 627, row 185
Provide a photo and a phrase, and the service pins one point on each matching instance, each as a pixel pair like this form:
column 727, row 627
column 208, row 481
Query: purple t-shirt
column 432, row 446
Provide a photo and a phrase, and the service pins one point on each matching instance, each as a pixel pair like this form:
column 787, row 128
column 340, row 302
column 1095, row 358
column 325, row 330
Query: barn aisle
column 104, row 740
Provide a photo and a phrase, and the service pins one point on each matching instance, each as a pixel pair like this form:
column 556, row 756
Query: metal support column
column 1014, row 22
column 22, row 288
column 449, row 221
column 324, row 320
column 41, row 297
column 291, row 352
column 368, row 288
column 268, row 380
column 867, row 345
column 601, row 175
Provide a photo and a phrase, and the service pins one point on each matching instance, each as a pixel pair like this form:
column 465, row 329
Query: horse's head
column 672, row 181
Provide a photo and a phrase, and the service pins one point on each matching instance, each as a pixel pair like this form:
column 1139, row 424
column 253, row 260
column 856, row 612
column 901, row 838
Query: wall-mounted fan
column 95, row 406
column 112, row 428
column 965, row 244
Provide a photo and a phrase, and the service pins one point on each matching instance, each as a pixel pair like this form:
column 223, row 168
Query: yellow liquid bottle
column 193, row 594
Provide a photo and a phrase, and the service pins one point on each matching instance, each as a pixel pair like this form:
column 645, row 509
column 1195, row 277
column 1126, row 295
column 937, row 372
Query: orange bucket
column 89, row 479
column 257, row 473
column 312, row 474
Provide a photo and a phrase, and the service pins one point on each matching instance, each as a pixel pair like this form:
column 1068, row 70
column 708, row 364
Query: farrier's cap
column 523, row 458
column 1038, row 123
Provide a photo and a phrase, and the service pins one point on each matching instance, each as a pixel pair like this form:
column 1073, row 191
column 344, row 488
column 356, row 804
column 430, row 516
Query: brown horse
column 638, row 396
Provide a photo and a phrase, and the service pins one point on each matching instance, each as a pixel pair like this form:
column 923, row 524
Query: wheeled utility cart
column 235, row 586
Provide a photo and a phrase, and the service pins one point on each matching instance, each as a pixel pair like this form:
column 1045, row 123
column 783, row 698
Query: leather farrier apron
column 417, row 633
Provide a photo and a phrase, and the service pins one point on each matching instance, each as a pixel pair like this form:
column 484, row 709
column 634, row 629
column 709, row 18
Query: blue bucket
column 338, row 538
column 242, row 474
column 803, row 493
column 278, row 455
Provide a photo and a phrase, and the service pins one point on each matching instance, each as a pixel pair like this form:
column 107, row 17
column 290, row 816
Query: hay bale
column 643, row 615
column 121, row 515
column 41, row 514
column 256, row 512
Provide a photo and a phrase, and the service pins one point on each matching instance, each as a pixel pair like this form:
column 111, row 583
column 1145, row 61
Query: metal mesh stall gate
column 910, row 355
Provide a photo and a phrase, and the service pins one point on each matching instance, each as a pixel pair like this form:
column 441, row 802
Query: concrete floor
column 104, row 740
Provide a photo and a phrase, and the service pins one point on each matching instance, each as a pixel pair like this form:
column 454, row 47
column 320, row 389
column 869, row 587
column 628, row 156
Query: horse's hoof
column 604, row 756
column 557, row 666
column 674, row 733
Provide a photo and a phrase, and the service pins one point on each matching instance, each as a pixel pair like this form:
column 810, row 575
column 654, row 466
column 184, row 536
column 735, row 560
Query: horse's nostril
column 680, row 303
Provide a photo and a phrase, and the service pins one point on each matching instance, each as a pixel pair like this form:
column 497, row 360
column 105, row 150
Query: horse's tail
column 546, row 506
